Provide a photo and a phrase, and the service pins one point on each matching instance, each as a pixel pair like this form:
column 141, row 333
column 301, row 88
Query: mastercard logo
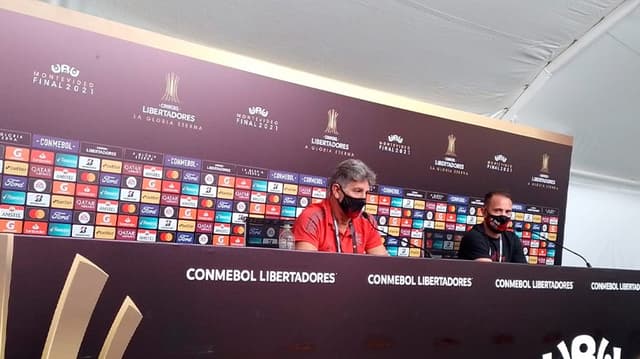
column 206, row 203
column 88, row 177
column 527, row 226
column 37, row 213
column 128, row 208
column 239, row 230
column 451, row 208
column 166, row 237
column 173, row 174
column 407, row 213
column 274, row 198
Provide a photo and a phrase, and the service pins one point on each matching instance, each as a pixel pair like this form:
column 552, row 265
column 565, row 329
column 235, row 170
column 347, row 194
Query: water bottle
column 286, row 240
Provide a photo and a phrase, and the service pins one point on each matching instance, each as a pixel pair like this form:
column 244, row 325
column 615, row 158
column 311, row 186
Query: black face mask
column 499, row 224
column 351, row 206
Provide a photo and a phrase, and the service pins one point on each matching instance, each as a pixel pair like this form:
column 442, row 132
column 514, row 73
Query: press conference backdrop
column 105, row 138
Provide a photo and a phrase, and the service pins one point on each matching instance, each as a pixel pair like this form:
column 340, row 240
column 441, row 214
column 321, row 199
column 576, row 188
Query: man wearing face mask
column 336, row 224
column 490, row 241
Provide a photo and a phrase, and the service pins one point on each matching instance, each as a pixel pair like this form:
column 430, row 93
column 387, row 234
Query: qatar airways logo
column 585, row 347
column 63, row 77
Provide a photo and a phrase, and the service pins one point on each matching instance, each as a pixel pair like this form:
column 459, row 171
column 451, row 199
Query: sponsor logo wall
column 180, row 150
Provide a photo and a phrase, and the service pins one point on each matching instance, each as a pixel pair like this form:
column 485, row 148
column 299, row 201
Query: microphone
column 424, row 251
column 561, row 247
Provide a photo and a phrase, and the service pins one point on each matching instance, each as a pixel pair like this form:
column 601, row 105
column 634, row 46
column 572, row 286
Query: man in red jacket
column 333, row 224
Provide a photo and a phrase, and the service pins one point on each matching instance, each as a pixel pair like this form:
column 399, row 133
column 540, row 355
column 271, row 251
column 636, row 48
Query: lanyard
column 500, row 254
column 353, row 236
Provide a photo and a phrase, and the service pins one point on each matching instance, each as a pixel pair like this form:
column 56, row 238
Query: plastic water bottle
column 286, row 240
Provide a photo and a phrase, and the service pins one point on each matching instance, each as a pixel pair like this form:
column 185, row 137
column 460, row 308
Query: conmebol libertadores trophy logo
column 332, row 123
column 171, row 89
column 63, row 77
column 543, row 179
column 585, row 347
column 449, row 163
column 168, row 112
column 330, row 142
column 78, row 298
column 545, row 163
column 451, row 146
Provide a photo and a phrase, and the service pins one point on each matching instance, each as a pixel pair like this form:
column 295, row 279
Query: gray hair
column 352, row 170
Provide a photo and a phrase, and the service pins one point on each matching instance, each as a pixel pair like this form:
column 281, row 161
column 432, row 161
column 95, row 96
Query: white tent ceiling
column 473, row 55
